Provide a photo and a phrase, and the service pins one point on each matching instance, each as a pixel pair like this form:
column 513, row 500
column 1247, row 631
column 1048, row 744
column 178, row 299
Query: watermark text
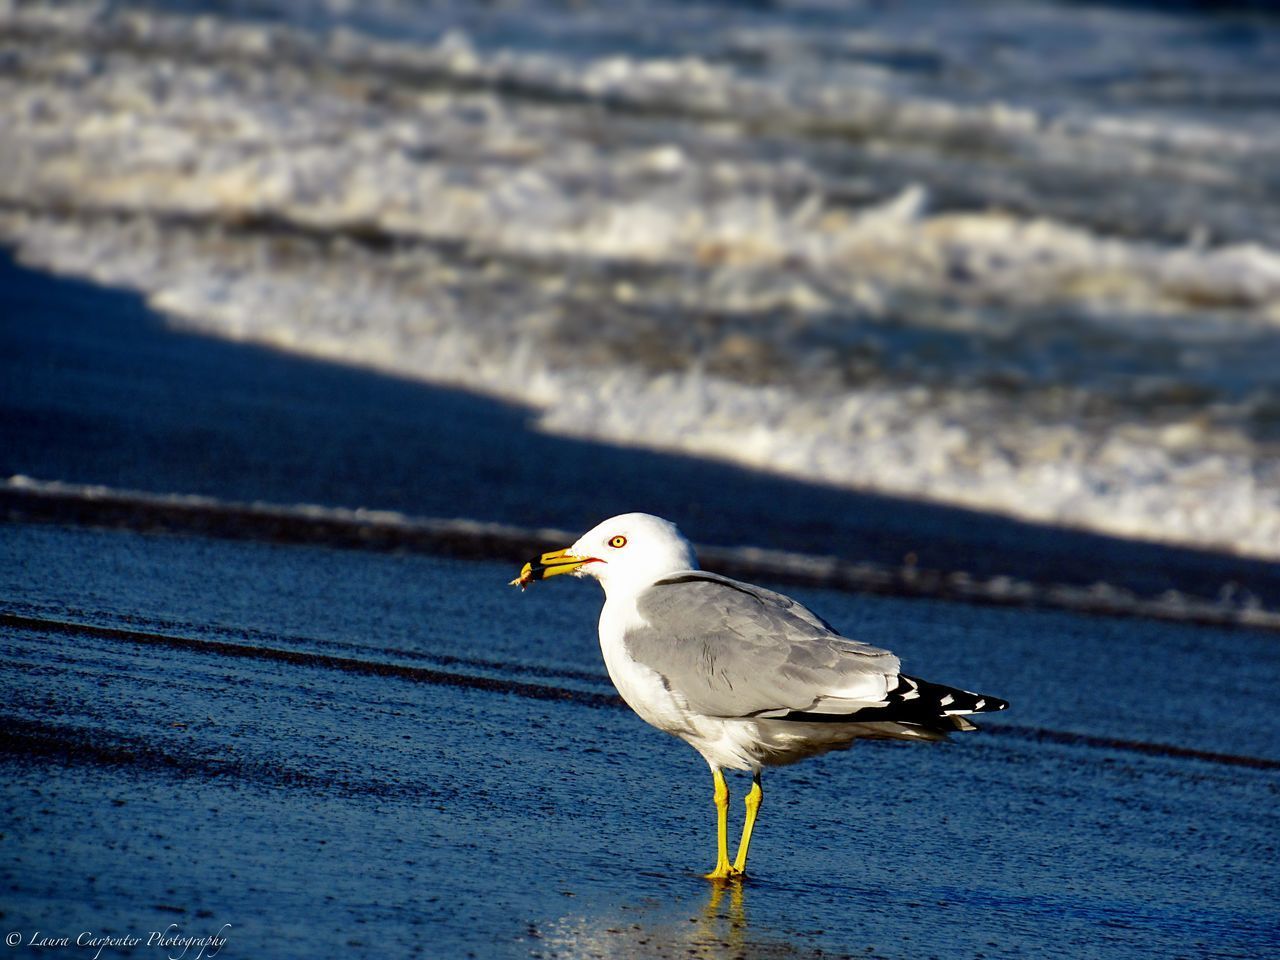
column 171, row 942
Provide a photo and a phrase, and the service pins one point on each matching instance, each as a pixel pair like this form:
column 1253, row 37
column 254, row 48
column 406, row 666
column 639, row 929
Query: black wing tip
column 980, row 703
column 950, row 701
column 914, row 702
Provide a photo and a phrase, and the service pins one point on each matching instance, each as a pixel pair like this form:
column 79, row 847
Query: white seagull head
column 626, row 553
column 631, row 551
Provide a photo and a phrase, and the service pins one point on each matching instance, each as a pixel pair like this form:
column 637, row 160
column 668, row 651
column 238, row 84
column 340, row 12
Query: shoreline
column 98, row 391
column 23, row 500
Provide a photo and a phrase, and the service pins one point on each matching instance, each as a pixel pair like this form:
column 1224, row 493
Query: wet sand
column 397, row 755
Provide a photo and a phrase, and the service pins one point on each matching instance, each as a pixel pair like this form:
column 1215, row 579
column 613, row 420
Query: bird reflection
column 717, row 927
column 725, row 922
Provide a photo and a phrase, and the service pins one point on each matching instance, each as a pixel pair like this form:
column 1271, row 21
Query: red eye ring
column 618, row 542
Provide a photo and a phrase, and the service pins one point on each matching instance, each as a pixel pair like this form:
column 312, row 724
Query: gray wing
column 736, row 650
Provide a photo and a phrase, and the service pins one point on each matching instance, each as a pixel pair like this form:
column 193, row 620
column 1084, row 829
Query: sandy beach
column 315, row 749
column 322, row 751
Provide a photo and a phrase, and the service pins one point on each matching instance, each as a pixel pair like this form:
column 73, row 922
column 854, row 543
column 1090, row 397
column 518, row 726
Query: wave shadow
column 96, row 388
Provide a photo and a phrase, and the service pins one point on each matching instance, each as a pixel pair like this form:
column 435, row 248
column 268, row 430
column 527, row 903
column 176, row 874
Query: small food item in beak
column 526, row 577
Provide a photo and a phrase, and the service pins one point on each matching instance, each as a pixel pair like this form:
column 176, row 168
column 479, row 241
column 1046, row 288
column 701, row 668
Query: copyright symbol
column 13, row 939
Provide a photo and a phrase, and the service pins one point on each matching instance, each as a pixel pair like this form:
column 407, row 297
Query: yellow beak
column 548, row 565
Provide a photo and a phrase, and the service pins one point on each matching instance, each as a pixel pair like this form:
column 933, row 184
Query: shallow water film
column 330, row 750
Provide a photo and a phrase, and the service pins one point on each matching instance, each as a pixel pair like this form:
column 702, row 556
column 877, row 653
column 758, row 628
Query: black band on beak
column 548, row 565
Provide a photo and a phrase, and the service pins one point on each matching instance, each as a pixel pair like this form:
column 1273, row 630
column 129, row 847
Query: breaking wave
column 991, row 263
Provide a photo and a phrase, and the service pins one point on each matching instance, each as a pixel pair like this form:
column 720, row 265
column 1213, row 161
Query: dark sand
column 339, row 751
column 397, row 755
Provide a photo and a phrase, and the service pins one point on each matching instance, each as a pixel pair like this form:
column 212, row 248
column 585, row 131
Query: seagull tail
column 949, row 701
column 939, row 708
column 915, row 709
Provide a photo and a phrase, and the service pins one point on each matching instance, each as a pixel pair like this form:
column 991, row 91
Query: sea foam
column 842, row 275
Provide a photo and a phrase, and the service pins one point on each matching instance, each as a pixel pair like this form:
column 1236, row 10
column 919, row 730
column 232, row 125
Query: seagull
column 747, row 677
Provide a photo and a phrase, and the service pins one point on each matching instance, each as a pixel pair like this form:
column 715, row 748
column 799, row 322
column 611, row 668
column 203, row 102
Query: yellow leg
column 723, row 869
column 753, row 807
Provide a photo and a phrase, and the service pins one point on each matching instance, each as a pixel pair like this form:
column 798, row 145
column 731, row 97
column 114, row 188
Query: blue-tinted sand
column 402, row 756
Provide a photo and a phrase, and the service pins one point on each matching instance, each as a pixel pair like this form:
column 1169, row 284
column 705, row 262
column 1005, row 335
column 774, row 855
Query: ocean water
column 1023, row 257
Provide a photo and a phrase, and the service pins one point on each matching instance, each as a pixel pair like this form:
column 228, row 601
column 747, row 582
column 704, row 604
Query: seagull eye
column 618, row 542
